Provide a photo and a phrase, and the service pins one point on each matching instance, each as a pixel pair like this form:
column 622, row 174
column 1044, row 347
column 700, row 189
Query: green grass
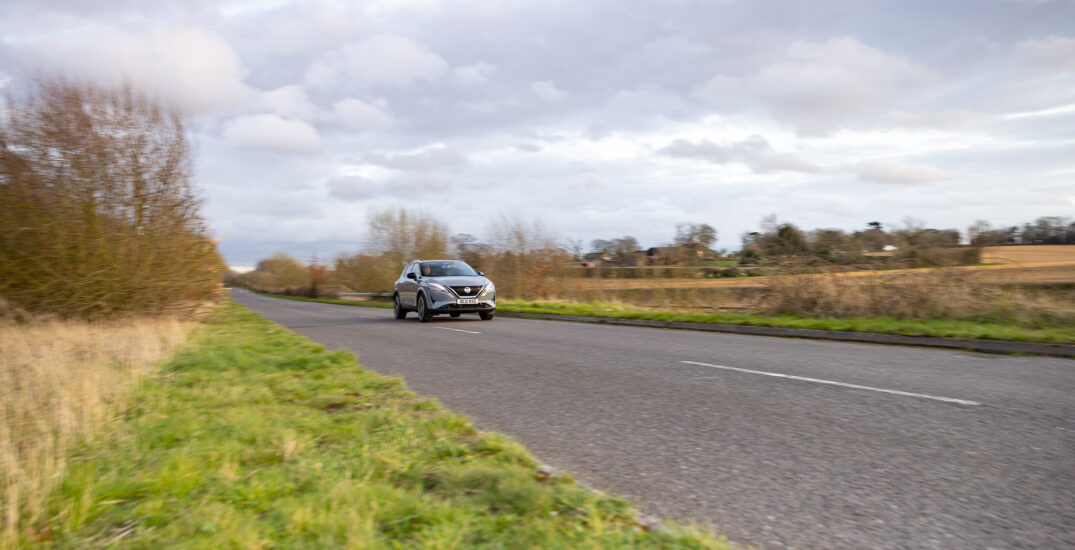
column 1045, row 331
column 884, row 325
column 339, row 301
column 255, row 437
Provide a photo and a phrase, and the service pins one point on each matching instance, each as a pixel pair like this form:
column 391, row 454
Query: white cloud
column 755, row 152
column 438, row 157
column 384, row 59
column 951, row 118
column 472, row 75
column 290, row 102
column 817, row 87
column 547, row 91
column 898, row 173
column 356, row 113
column 268, row 131
column 196, row 69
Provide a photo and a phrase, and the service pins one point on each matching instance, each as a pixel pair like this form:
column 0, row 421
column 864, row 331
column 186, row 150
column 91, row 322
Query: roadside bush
column 98, row 214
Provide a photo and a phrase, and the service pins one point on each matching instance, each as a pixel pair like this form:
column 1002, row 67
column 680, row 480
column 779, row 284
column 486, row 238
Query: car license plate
column 467, row 301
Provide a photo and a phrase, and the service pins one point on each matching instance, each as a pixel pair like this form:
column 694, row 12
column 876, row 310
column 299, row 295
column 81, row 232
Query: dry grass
column 943, row 293
column 1022, row 272
column 61, row 382
column 1022, row 294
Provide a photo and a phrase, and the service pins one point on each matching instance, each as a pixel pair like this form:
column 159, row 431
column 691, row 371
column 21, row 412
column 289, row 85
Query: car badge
column 466, row 289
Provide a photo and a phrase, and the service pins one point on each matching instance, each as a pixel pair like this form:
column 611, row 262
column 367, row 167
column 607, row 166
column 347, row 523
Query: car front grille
column 474, row 290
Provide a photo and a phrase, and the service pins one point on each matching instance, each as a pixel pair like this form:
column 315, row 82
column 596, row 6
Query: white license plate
column 467, row 301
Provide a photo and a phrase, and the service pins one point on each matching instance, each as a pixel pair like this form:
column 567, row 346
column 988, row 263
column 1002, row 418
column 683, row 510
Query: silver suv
column 436, row 287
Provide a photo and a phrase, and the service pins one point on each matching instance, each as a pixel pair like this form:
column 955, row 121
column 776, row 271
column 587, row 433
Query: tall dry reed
column 942, row 293
column 62, row 382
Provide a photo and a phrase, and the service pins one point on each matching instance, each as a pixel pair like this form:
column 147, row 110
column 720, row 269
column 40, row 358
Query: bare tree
column 402, row 235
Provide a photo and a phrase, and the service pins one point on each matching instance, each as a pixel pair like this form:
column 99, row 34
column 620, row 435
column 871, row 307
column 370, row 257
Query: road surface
column 776, row 443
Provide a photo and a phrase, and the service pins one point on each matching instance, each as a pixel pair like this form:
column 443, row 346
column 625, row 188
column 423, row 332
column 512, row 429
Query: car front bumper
column 452, row 306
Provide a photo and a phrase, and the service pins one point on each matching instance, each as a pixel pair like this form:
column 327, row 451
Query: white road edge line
column 834, row 383
column 459, row 330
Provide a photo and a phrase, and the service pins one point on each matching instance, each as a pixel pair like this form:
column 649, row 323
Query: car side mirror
column 481, row 273
column 411, row 275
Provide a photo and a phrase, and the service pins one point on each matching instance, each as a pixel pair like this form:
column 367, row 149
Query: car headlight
column 489, row 290
column 438, row 287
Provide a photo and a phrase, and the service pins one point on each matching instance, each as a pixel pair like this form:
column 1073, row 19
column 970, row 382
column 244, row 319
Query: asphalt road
column 859, row 446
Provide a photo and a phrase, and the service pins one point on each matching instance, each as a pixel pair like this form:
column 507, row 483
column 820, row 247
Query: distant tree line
column 528, row 261
column 1044, row 230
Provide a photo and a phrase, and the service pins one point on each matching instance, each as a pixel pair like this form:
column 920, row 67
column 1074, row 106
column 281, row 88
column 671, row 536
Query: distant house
column 672, row 255
column 887, row 251
column 595, row 259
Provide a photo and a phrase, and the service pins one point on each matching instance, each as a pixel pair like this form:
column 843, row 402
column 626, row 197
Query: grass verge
column 942, row 328
column 255, row 437
column 946, row 328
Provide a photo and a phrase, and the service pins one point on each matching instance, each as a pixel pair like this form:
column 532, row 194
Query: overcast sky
column 598, row 118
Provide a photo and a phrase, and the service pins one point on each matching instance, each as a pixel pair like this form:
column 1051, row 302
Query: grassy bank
column 884, row 325
column 254, row 437
column 1044, row 330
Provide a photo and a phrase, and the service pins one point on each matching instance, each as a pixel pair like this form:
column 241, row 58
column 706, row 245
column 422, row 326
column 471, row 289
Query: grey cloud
column 546, row 90
column 528, row 147
column 473, row 75
column 353, row 188
column 1052, row 53
column 898, row 173
column 386, row 59
column 355, row 113
column 755, row 152
column 359, row 189
column 817, row 87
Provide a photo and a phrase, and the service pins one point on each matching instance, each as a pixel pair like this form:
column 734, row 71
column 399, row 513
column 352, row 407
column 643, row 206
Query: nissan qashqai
column 439, row 287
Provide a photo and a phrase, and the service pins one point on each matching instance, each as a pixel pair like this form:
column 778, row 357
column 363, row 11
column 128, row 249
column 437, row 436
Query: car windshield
column 447, row 269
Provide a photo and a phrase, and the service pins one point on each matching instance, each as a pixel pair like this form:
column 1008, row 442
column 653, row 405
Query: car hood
column 460, row 280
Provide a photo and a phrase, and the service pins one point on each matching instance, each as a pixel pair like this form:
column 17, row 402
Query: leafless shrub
column 525, row 259
column 98, row 215
column 396, row 236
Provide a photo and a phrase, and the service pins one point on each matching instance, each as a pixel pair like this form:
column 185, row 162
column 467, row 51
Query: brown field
column 1024, row 271
column 1029, row 254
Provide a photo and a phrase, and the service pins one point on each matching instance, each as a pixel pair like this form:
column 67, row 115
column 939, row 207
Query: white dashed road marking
column 459, row 330
column 834, row 383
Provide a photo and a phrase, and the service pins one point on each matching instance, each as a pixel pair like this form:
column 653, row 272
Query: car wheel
column 400, row 312
column 454, row 315
column 423, row 312
column 485, row 315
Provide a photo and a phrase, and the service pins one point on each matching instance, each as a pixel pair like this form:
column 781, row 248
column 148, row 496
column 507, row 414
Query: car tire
column 423, row 311
column 400, row 312
column 485, row 315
